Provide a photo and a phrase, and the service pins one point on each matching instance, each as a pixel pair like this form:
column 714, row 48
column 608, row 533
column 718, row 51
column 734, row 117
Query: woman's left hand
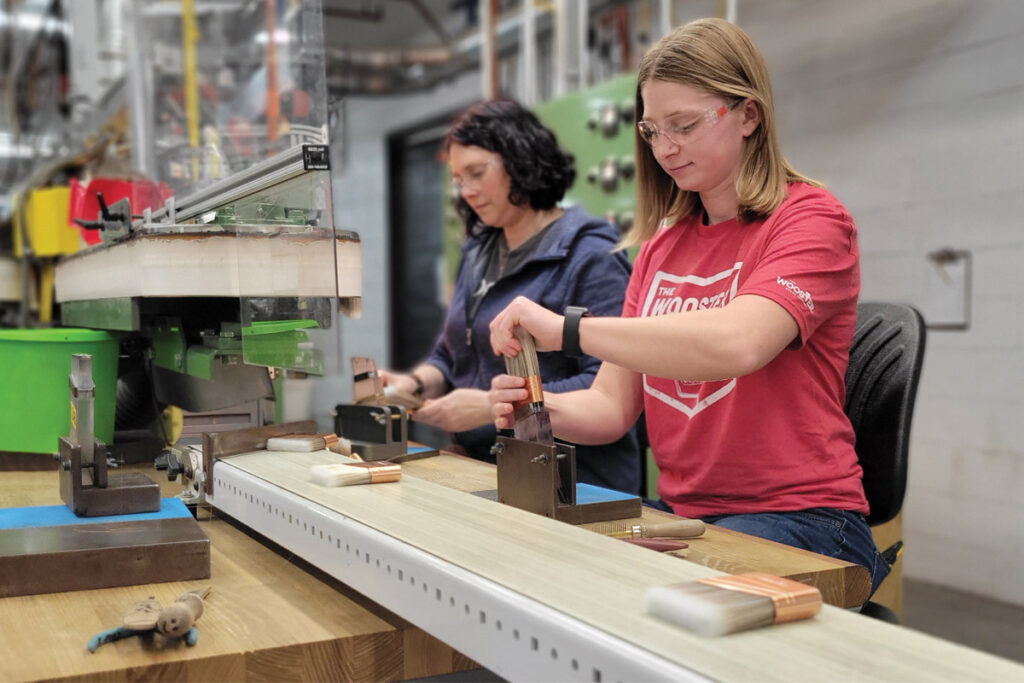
column 457, row 411
column 545, row 326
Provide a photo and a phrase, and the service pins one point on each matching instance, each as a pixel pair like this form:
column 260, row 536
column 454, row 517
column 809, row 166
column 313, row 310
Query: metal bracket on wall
column 947, row 299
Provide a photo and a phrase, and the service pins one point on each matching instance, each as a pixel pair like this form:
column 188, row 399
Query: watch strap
column 571, row 331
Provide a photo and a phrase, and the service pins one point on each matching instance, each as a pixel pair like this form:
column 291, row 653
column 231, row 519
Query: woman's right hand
column 505, row 389
column 399, row 380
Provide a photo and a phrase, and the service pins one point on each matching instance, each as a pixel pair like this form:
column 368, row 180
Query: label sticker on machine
column 316, row 158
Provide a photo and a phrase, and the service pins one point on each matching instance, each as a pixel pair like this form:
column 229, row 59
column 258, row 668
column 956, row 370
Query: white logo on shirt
column 800, row 294
column 664, row 297
column 484, row 287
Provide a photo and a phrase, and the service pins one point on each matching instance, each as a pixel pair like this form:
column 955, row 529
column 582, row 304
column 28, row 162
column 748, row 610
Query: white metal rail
column 511, row 634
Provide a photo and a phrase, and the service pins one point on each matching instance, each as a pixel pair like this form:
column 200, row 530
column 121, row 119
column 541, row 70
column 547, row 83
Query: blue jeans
column 837, row 533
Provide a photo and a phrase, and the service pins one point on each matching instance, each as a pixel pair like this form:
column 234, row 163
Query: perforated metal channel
column 516, row 637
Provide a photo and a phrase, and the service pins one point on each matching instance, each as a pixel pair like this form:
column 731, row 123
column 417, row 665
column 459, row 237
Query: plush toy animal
column 147, row 616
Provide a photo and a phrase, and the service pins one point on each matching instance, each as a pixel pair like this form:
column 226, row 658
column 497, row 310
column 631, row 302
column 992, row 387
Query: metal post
column 528, row 54
column 583, row 26
column 140, row 92
column 83, row 392
column 731, row 10
column 488, row 48
column 561, row 48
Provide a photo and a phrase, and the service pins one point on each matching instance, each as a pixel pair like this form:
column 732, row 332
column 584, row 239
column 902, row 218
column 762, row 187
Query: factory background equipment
column 596, row 125
column 200, row 185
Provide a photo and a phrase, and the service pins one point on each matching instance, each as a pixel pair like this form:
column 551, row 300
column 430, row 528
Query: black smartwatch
column 571, row 331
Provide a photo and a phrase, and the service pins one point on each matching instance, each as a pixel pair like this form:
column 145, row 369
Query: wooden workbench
column 268, row 617
column 523, row 594
column 272, row 617
column 841, row 583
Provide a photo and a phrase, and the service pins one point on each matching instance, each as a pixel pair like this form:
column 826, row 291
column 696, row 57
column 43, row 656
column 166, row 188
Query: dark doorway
column 416, row 169
column 417, row 306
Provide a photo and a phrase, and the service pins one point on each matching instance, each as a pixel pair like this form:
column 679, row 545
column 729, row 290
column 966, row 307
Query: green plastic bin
column 34, row 393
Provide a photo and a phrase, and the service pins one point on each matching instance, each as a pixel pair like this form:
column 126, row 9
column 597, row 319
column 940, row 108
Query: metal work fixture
column 86, row 487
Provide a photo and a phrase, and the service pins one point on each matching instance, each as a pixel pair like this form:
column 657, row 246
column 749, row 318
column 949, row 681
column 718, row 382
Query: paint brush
column 297, row 443
column 342, row 446
column 307, row 443
column 532, row 422
column 718, row 605
column 349, row 474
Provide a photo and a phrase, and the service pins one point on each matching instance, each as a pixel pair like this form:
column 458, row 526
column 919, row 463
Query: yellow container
column 46, row 221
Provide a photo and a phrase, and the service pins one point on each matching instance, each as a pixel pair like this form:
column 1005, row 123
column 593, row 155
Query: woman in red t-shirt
column 738, row 319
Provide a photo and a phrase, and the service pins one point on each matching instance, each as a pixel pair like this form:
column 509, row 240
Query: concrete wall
column 913, row 113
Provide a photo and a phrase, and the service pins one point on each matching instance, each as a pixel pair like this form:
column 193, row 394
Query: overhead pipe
column 375, row 15
column 485, row 43
column 390, row 57
column 432, row 21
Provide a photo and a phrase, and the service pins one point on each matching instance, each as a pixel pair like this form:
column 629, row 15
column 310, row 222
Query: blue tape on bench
column 60, row 515
column 588, row 493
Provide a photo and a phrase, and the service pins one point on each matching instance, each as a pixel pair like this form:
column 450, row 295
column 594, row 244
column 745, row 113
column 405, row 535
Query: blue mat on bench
column 60, row 515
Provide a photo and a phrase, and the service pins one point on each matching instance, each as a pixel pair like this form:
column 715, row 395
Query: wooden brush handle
column 525, row 364
column 683, row 528
column 529, row 352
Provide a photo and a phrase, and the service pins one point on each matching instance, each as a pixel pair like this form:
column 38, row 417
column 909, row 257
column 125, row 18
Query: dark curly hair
column 539, row 170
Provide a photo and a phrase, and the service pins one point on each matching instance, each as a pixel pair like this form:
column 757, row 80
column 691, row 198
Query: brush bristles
column 339, row 475
column 342, row 446
column 297, row 443
column 709, row 610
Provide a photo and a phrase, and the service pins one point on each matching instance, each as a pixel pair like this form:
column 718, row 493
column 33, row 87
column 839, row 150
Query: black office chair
column 881, row 384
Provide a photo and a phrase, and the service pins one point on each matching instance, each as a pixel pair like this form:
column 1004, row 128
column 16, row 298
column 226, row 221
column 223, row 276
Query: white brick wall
column 913, row 113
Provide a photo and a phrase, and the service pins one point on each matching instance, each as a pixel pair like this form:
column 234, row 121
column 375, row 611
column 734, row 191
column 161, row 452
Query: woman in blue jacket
column 510, row 175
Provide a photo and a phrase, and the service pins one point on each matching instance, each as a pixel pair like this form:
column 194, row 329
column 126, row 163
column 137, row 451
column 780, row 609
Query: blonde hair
column 717, row 57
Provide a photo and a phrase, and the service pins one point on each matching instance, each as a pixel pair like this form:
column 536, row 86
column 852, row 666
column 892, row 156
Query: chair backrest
column 881, row 383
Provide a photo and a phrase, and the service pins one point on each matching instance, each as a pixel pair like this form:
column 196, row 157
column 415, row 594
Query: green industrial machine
column 596, row 126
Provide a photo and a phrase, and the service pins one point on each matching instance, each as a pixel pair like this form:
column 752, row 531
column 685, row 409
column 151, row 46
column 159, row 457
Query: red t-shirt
column 776, row 439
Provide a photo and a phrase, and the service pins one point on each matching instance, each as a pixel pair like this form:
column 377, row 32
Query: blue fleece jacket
column 572, row 265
